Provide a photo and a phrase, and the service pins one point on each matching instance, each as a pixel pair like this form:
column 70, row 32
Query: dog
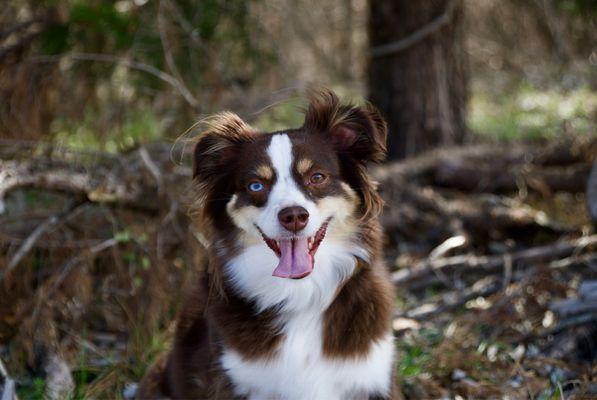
column 294, row 300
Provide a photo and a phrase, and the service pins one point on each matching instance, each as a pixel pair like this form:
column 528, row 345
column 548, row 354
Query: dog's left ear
column 359, row 132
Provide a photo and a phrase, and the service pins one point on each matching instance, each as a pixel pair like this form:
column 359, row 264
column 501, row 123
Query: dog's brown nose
column 293, row 218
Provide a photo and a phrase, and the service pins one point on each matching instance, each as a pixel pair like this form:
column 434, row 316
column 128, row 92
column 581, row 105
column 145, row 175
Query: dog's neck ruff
column 250, row 274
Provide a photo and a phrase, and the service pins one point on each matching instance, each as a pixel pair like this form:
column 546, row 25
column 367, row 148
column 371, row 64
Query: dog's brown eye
column 317, row 178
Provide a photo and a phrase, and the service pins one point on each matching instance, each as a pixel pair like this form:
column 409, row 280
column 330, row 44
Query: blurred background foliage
column 109, row 74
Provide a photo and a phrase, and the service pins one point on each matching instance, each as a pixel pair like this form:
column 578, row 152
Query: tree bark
column 418, row 72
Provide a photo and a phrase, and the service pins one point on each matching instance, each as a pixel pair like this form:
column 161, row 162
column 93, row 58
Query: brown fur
column 327, row 115
column 359, row 315
column 214, row 316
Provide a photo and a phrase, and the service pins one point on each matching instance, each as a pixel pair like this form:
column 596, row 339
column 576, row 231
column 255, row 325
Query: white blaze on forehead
column 280, row 152
column 285, row 191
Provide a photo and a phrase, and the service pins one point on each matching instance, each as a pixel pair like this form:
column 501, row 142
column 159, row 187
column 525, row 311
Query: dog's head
column 295, row 190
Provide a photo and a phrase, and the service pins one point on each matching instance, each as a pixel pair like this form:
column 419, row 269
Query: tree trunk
column 418, row 72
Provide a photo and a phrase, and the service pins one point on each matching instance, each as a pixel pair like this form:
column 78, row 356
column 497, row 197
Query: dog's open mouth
column 296, row 254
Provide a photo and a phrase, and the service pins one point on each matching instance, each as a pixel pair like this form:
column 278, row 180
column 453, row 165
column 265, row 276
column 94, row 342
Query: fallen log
column 563, row 165
column 415, row 211
column 135, row 180
column 100, row 185
column 466, row 264
column 487, row 178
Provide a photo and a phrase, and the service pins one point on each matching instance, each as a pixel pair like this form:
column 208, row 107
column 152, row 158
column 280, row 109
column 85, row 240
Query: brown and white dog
column 294, row 301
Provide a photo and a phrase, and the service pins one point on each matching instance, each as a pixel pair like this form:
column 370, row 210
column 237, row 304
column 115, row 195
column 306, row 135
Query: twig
column 153, row 169
column 449, row 244
column 67, row 268
column 452, row 243
column 189, row 29
column 575, row 261
column 9, row 391
column 59, row 383
column 73, row 262
column 24, row 41
column 36, row 234
column 137, row 65
column 19, row 27
column 3, row 370
column 417, row 36
column 507, row 271
column 454, row 300
column 51, row 243
column 163, row 196
column 166, row 46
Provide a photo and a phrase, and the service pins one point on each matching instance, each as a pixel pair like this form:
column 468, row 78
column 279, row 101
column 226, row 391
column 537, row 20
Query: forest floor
column 492, row 251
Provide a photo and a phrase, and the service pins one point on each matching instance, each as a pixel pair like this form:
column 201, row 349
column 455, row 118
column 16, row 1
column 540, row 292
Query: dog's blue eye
column 256, row 186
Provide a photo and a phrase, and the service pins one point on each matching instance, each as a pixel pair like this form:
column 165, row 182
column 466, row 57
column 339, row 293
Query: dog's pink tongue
column 295, row 260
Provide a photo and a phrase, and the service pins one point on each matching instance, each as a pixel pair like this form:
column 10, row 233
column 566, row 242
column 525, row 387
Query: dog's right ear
column 219, row 145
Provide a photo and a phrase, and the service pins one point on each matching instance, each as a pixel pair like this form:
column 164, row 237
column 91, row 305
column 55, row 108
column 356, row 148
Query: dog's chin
column 296, row 254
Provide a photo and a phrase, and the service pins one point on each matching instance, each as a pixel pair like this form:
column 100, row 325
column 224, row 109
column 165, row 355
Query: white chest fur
column 300, row 371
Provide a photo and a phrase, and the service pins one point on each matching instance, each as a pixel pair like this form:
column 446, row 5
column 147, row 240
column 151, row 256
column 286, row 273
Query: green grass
column 33, row 390
column 283, row 115
column 416, row 353
column 532, row 113
column 521, row 111
column 138, row 126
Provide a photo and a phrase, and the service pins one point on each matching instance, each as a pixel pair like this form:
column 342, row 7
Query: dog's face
column 292, row 191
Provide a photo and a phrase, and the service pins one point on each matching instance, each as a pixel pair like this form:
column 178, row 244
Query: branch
column 417, row 36
column 454, row 299
column 9, row 390
column 99, row 185
column 20, row 27
column 36, row 234
column 67, row 268
column 136, row 65
column 166, row 44
column 489, row 264
column 24, row 41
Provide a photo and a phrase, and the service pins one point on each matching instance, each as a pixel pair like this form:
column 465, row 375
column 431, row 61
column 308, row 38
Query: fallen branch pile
column 468, row 229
